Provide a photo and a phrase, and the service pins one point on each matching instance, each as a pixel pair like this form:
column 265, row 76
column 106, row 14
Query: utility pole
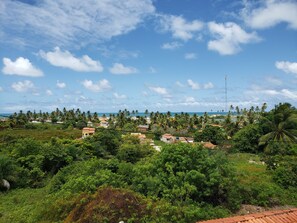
column 226, row 96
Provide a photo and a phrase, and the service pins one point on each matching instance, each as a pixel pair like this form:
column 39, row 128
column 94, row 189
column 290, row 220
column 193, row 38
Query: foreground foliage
column 112, row 178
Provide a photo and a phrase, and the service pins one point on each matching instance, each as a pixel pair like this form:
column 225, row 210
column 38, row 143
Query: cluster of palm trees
column 279, row 124
column 21, row 118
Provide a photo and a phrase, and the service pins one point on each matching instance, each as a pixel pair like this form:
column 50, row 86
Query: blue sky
column 158, row 55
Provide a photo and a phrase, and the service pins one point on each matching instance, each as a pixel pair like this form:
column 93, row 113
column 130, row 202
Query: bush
column 247, row 139
column 182, row 173
column 86, row 176
column 211, row 134
column 109, row 205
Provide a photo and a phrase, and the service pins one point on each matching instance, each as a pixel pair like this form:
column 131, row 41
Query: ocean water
column 141, row 114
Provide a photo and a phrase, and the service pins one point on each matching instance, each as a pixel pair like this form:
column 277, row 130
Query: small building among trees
column 87, row 132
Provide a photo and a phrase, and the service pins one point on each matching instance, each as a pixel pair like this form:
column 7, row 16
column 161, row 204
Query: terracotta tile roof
column 280, row 216
column 89, row 130
column 167, row 136
column 208, row 145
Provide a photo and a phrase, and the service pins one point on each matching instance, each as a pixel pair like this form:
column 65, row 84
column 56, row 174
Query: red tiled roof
column 90, row 130
column 208, row 145
column 280, row 216
column 167, row 136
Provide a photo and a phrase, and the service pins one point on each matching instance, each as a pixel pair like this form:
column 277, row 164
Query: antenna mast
column 226, row 99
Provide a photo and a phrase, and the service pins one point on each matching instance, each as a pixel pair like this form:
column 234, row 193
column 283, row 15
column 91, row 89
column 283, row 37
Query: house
column 168, row 138
column 181, row 139
column 90, row 124
column 148, row 120
column 283, row 216
column 208, row 145
column 216, row 125
column 104, row 124
column 143, row 128
column 141, row 137
column 190, row 139
column 35, row 122
column 87, row 132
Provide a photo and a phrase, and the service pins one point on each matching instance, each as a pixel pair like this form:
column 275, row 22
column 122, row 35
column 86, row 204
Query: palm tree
column 280, row 125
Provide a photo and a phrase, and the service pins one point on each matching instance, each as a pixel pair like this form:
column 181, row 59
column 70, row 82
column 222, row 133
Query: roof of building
column 167, row 136
column 216, row 125
column 279, row 216
column 143, row 126
column 208, row 145
column 86, row 129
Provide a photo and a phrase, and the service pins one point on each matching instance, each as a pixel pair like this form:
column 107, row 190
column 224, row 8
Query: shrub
column 247, row 139
column 109, row 205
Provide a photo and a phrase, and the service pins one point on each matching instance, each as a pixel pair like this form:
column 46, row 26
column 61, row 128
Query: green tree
column 247, row 139
column 210, row 133
column 184, row 173
column 280, row 125
column 105, row 141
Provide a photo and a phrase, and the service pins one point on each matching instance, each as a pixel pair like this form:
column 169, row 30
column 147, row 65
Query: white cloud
column 179, row 84
column 279, row 94
column 21, row 67
column 193, row 85
column 270, row 13
column 102, row 85
column 180, row 27
column 72, row 22
column 65, row 59
column 159, row 90
column 119, row 68
column 288, row 67
column 274, row 80
column 119, row 96
column 171, row 46
column 208, row 85
column 228, row 37
column 60, row 84
column 190, row 100
column 23, row 86
column 190, row 56
column 197, row 86
column 49, row 92
column 289, row 94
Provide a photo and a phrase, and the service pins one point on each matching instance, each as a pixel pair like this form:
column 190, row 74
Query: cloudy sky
column 160, row 55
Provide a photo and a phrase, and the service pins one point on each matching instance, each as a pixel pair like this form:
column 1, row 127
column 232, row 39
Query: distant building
column 90, row 124
column 184, row 139
column 168, row 138
column 143, row 128
column 139, row 136
column 104, row 124
column 181, row 139
column 35, row 122
column 87, row 132
column 208, row 145
column 216, row 125
column 190, row 139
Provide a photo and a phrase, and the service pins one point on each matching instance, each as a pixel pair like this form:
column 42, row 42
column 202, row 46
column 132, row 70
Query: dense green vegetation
column 113, row 176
